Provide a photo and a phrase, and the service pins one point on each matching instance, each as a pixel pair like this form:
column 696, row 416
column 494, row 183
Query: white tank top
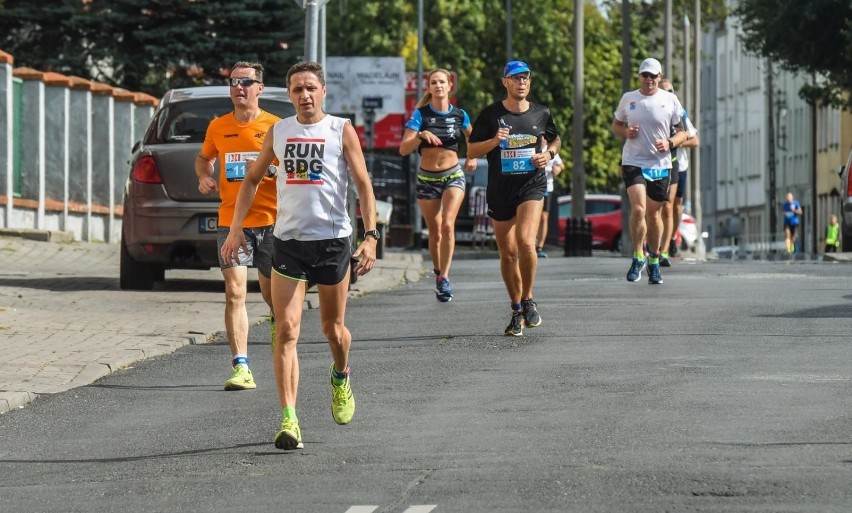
column 312, row 180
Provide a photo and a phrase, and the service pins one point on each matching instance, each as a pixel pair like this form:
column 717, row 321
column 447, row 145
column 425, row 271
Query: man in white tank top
column 316, row 153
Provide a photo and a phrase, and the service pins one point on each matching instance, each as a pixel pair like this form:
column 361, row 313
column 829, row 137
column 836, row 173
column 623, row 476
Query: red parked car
column 604, row 211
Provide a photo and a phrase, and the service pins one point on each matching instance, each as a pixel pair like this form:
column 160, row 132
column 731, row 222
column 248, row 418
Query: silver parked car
column 167, row 223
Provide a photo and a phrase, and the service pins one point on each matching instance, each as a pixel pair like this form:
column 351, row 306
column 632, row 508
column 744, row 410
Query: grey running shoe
column 635, row 272
column 654, row 276
column 531, row 315
column 515, row 327
column 664, row 262
column 540, row 253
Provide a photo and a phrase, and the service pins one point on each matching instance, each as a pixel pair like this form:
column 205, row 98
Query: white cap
column 651, row 65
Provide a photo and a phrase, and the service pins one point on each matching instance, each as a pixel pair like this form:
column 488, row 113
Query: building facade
column 759, row 141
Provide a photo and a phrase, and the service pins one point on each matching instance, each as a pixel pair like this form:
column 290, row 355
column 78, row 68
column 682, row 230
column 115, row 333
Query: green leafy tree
column 809, row 36
column 153, row 45
column 44, row 38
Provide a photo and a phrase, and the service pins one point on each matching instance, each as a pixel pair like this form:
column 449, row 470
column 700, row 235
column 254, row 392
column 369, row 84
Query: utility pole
column 814, row 196
column 509, row 51
column 668, row 40
column 695, row 167
column 770, row 125
column 578, row 173
column 413, row 207
column 314, row 12
column 686, row 68
column 626, row 78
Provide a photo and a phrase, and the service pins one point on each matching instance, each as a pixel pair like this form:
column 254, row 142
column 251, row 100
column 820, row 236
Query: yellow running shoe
column 290, row 436
column 342, row 399
column 241, row 379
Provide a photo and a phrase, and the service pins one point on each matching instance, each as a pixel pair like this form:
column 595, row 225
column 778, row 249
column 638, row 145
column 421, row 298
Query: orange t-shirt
column 232, row 142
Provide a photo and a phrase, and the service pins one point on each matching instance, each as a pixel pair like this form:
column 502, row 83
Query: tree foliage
column 810, row 36
column 152, row 45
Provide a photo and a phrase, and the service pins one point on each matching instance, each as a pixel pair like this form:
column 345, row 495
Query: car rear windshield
column 186, row 121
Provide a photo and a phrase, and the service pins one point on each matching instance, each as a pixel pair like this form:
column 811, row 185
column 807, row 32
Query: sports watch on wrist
column 373, row 233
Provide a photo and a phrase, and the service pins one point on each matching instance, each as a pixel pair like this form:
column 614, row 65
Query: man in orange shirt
column 235, row 139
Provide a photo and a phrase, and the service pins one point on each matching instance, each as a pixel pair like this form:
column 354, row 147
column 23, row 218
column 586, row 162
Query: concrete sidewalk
column 65, row 323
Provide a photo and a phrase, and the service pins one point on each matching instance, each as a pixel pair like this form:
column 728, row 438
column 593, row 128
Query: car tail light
column 145, row 170
column 849, row 183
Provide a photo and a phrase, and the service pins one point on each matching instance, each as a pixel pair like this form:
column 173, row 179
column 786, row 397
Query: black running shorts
column 324, row 262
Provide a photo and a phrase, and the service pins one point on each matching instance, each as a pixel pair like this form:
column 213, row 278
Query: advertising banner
column 351, row 79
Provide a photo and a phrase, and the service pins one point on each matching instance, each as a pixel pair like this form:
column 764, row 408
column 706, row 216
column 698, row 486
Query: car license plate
column 208, row 224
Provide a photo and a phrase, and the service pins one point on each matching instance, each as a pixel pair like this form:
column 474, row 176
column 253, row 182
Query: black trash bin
column 578, row 237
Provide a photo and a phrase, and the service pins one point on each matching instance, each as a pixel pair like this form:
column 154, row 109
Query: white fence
column 65, row 144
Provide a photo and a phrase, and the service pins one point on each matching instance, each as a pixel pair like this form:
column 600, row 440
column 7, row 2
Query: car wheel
column 135, row 275
column 616, row 244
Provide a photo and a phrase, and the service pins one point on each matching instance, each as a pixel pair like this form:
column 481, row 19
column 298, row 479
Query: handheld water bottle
column 502, row 121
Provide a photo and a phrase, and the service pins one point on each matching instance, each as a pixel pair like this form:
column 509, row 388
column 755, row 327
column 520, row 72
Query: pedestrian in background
column 832, row 235
column 552, row 169
column 645, row 118
column 792, row 210
column 434, row 130
column 234, row 139
column 672, row 212
column 317, row 155
column 519, row 138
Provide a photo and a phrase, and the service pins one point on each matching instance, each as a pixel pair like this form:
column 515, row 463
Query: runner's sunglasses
column 245, row 82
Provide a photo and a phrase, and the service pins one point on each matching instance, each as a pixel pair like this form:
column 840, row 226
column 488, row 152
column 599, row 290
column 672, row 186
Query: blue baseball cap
column 515, row 67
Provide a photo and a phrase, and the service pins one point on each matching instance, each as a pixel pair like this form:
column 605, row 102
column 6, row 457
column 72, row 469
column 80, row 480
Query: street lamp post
column 509, row 50
column 578, row 171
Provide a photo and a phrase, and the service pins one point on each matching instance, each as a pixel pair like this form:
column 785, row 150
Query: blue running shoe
column 443, row 290
column 654, row 276
column 635, row 272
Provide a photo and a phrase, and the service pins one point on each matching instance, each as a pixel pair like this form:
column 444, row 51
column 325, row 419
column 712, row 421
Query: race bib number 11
column 235, row 165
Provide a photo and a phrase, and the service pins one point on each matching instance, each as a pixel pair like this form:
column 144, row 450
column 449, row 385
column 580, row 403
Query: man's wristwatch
column 373, row 233
column 552, row 154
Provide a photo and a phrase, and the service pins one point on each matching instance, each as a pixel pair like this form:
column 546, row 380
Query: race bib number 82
column 517, row 160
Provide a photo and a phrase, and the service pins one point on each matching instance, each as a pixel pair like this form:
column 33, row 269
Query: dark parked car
column 167, row 223
column 846, row 204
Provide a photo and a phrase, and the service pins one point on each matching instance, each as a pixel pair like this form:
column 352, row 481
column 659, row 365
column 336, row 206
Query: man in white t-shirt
column 645, row 118
column 551, row 170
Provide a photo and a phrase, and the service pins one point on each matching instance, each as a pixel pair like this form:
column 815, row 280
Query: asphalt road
column 727, row 389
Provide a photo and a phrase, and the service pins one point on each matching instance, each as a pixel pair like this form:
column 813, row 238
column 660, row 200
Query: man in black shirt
column 519, row 138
